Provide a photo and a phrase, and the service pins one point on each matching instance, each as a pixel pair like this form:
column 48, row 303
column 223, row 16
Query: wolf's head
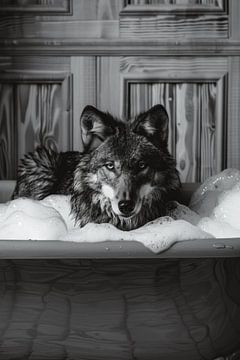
column 126, row 175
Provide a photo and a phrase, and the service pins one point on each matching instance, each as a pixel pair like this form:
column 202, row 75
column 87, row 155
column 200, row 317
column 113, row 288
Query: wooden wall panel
column 192, row 116
column 183, row 20
column 109, row 85
column 89, row 19
column 38, row 116
column 193, row 90
column 33, row 112
column 118, row 27
column 207, row 5
column 172, row 27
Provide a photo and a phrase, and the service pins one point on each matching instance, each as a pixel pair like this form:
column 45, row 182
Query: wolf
column 125, row 176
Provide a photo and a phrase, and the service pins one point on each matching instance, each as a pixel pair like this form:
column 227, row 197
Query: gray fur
column 85, row 175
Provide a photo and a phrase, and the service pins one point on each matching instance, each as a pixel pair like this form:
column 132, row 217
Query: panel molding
column 46, row 7
column 233, row 109
column 118, row 47
column 23, row 76
column 146, row 7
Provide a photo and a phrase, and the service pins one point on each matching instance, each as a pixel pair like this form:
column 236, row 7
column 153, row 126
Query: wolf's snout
column 126, row 207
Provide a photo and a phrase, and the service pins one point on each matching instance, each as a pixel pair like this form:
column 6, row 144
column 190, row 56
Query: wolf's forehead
column 126, row 147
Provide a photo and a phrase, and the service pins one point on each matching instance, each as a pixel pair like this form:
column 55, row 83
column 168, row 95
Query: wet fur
column 45, row 172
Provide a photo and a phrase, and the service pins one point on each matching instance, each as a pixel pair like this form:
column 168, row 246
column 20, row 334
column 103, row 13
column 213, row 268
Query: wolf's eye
column 110, row 166
column 142, row 165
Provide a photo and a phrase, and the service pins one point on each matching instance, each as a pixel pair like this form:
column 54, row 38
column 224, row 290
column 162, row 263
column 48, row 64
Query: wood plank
column 117, row 47
column 109, row 90
column 174, row 68
column 233, row 133
column 234, row 11
column 174, row 27
column 8, row 134
column 27, row 27
column 83, row 71
column 124, row 309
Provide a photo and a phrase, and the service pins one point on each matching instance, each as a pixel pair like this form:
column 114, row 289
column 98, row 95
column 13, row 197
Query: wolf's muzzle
column 126, row 207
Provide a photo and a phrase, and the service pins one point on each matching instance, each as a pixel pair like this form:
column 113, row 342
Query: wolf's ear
column 153, row 124
column 96, row 126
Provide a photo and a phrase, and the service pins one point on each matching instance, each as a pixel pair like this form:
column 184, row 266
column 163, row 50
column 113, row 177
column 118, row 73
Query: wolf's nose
column 126, row 206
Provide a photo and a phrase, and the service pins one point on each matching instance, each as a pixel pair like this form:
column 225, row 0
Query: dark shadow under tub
column 140, row 309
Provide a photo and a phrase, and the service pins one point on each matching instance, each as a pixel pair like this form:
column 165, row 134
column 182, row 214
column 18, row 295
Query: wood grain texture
column 28, row 28
column 5, row 62
column 143, row 7
column 63, row 47
column 83, row 70
column 93, row 29
column 174, row 68
column 216, row 4
column 174, row 27
column 181, row 20
column 33, row 114
column 192, row 110
column 109, row 84
column 82, row 9
column 123, row 309
column 8, row 135
column 90, row 19
column 38, row 116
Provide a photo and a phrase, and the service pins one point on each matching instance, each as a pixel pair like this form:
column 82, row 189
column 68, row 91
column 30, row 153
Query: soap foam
column 214, row 211
column 157, row 236
column 61, row 203
column 25, row 219
column 218, row 229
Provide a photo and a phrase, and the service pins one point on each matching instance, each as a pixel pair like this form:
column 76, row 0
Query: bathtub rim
column 57, row 249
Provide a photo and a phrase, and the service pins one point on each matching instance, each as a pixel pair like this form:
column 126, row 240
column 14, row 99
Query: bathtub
column 118, row 300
